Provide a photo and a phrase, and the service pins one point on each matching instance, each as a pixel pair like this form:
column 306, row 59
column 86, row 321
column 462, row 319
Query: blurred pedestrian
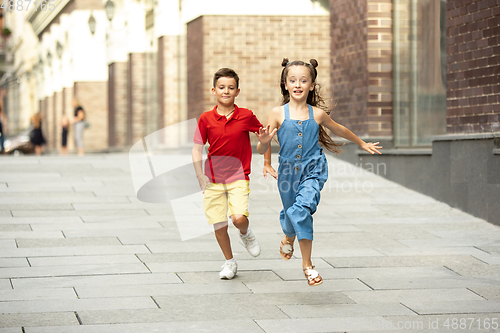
column 79, row 126
column 64, row 137
column 3, row 123
column 36, row 136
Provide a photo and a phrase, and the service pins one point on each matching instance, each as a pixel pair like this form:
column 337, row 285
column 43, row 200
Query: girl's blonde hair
column 313, row 98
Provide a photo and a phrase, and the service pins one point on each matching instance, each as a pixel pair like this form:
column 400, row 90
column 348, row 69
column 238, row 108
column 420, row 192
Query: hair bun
column 314, row 62
column 284, row 62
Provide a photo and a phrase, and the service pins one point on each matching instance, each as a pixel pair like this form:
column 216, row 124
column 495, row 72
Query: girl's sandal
column 285, row 250
column 312, row 276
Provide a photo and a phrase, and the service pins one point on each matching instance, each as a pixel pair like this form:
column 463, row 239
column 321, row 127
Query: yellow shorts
column 219, row 199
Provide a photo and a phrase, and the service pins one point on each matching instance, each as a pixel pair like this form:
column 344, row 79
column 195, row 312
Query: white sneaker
column 229, row 270
column 250, row 243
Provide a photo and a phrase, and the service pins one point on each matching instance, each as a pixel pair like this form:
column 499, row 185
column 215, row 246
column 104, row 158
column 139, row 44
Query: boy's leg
column 238, row 193
column 223, row 239
column 215, row 204
column 240, row 222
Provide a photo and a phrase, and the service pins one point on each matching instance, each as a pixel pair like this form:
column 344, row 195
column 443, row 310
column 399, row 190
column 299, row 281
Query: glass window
column 419, row 71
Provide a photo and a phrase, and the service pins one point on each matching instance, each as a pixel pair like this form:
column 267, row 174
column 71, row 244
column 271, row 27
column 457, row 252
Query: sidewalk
column 80, row 253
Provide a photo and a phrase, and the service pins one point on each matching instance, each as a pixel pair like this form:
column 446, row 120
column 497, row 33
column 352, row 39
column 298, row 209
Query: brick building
column 256, row 57
column 422, row 77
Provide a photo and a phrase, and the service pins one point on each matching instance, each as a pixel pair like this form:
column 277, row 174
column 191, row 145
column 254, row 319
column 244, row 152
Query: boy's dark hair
column 226, row 72
column 313, row 98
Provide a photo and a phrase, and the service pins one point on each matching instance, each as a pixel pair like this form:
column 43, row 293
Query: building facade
column 422, row 77
column 127, row 61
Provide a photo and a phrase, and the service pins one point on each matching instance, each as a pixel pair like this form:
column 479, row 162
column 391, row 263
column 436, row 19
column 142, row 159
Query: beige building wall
column 254, row 47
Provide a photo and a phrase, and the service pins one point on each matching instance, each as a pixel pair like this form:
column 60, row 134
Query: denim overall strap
column 311, row 112
column 287, row 111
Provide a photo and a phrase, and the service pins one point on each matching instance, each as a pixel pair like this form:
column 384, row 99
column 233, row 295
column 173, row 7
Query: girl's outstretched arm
column 266, row 134
column 345, row 133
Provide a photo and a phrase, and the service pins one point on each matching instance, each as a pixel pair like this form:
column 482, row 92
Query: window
column 419, row 71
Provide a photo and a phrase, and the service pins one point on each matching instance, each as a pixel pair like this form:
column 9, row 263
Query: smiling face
column 226, row 91
column 299, row 82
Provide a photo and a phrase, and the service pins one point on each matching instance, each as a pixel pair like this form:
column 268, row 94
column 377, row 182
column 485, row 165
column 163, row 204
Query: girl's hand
column 264, row 135
column 268, row 169
column 371, row 147
column 203, row 181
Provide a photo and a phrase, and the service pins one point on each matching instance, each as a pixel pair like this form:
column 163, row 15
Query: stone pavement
column 80, row 253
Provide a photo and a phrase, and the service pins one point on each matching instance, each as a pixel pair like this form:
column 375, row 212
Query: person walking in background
column 36, row 136
column 64, row 134
column 3, row 123
column 79, row 126
column 303, row 168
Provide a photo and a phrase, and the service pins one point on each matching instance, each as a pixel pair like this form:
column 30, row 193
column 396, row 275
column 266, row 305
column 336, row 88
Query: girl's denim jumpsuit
column 302, row 172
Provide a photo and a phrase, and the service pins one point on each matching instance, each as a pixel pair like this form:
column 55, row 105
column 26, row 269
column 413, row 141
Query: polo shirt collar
column 234, row 116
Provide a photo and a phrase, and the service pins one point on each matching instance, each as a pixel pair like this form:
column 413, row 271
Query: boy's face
column 225, row 90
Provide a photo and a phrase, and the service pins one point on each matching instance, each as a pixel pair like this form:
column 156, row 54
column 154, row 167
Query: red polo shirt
column 229, row 153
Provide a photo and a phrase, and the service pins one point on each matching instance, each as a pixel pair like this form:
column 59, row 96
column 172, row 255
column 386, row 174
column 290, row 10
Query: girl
column 303, row 167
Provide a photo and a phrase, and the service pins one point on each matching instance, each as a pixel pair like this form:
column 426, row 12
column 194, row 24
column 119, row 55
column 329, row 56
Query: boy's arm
column 268, row 169
column 197, row 155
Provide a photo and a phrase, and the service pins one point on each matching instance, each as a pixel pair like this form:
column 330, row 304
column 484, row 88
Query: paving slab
column 95, row 280
column 81, row 213
column 223, row 326
column 5, row 284
column 491, row 292
column 481, row 286
column 46, row 271
column 454, row 307
column 409, row 261
column 72, row 251
column 218, row 306
column 66, row 242
column 30, row 234
column 40, row 220
column 343, row 285
column 325, row 325
column 417, row 295
column 49, row 305
column 346, row 310
column 477, row 269
column 7, row 243
column 37, row 294
column 155, row 290
column 15, row 227
column 14, row 262
column 11, row 330
column 83, row 260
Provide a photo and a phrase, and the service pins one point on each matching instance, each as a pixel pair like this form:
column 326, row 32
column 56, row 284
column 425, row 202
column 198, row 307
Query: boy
column 224, row 181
